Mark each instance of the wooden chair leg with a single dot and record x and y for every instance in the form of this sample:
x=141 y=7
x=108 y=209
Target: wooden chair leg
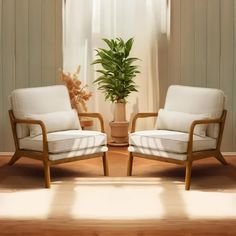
x=47 y=177
x=105 y=164
x=221 y=159
x=130 y=164
x=188 y=174
x=14 y=159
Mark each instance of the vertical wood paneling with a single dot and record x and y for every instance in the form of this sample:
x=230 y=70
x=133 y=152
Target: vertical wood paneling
x=174 y=44
x=1 y=80
x=35 y=43
x=48 y=41
x=22 y=42
x=187 y=42
x=200 y=52
x=8 y=63
x=213 y=44
x=30 y=49
x=234 y=83
x=58 y=41
x=200 y=42
x=227 y=66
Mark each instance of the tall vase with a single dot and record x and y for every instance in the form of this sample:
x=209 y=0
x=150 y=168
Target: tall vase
x=119 y=127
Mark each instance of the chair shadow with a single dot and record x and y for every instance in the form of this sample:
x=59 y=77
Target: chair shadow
x=31 y=176
x=205 y=177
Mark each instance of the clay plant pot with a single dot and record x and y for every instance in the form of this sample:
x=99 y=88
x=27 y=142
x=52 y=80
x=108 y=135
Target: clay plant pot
x=119 y=127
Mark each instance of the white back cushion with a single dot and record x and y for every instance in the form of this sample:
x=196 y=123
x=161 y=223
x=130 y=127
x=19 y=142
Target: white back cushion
x=39 y=100
x=196 y=100
x=55 y=121
x=180 y=121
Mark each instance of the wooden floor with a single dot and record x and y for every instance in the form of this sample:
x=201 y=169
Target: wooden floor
x=211 y=181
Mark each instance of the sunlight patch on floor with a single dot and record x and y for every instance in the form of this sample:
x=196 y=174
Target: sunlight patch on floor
x=27 y=204
x=117 y=199
x=209 y=204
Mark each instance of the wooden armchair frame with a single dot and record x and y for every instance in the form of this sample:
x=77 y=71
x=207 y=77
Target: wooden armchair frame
x=44 y=155
x=191 y=156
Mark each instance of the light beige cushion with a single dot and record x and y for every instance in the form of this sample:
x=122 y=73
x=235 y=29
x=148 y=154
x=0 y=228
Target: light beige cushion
x=39 y=100
x=169 y=141
x=65 y=141
x=158 y=153
x=77 y=153
x=194 y=100
x=180 y=121
x=55 y=121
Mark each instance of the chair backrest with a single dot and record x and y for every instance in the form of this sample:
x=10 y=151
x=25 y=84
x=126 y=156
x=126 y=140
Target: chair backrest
x=196 y=100
x=38 y=100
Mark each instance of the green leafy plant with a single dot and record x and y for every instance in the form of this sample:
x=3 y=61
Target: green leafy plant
x=118 y=70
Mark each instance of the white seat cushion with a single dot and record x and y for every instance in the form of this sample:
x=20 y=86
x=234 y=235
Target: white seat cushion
x=77 y=153
x=169 y=141
x=66 y=141
x=158 y=153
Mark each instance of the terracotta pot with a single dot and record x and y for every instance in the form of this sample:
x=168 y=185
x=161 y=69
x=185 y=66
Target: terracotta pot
x=120 y=114
x=119 y=127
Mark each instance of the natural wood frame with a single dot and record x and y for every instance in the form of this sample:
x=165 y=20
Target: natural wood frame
x=191 y=156
x=44 y=155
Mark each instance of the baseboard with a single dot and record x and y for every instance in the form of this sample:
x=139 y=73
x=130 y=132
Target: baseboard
x=6 y=153
x=11 y=153
x=229 y=153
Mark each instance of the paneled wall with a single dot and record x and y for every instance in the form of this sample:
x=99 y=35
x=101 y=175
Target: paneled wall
x=201 y=51
x=30 y=51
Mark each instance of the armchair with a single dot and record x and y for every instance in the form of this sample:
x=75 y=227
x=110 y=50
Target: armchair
x=189 y=128
x=46 y=128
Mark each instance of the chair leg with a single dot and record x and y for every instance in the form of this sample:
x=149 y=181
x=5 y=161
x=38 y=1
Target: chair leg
x=14 y=159
x=221 y=159
x=105 y=164
x=188 y=174
x=130 y=164
x=47 y=177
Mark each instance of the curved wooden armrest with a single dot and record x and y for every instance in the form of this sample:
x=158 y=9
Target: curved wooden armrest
x=94 y=115
x=15 y=121
x=203 y=122
x=141 y=115
x=220 y=121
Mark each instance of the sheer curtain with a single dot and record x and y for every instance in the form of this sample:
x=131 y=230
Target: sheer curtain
x=86 y=22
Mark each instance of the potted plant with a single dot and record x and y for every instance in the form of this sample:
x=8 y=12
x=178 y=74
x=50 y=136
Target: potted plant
x=116 y=81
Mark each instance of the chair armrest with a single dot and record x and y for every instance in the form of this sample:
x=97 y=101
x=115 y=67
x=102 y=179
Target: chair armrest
x=220 y=121
x=94 y=115
x=15 y=121
x=141 y=115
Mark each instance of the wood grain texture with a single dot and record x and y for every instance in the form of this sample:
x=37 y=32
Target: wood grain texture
x=1 y=79
x=213 y=43
x=234 y=83
x=187 y=42
x=22 y=44
x=8 y=64
x=30 y=51
x=174 y=75
x=200 y=35
x=48 y=42
x=200 y=51
x=25 y=178
x=35 y=43
x=58 y=41
x=227 y=66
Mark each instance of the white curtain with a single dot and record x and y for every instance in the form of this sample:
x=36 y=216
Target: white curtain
x=86 y=22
